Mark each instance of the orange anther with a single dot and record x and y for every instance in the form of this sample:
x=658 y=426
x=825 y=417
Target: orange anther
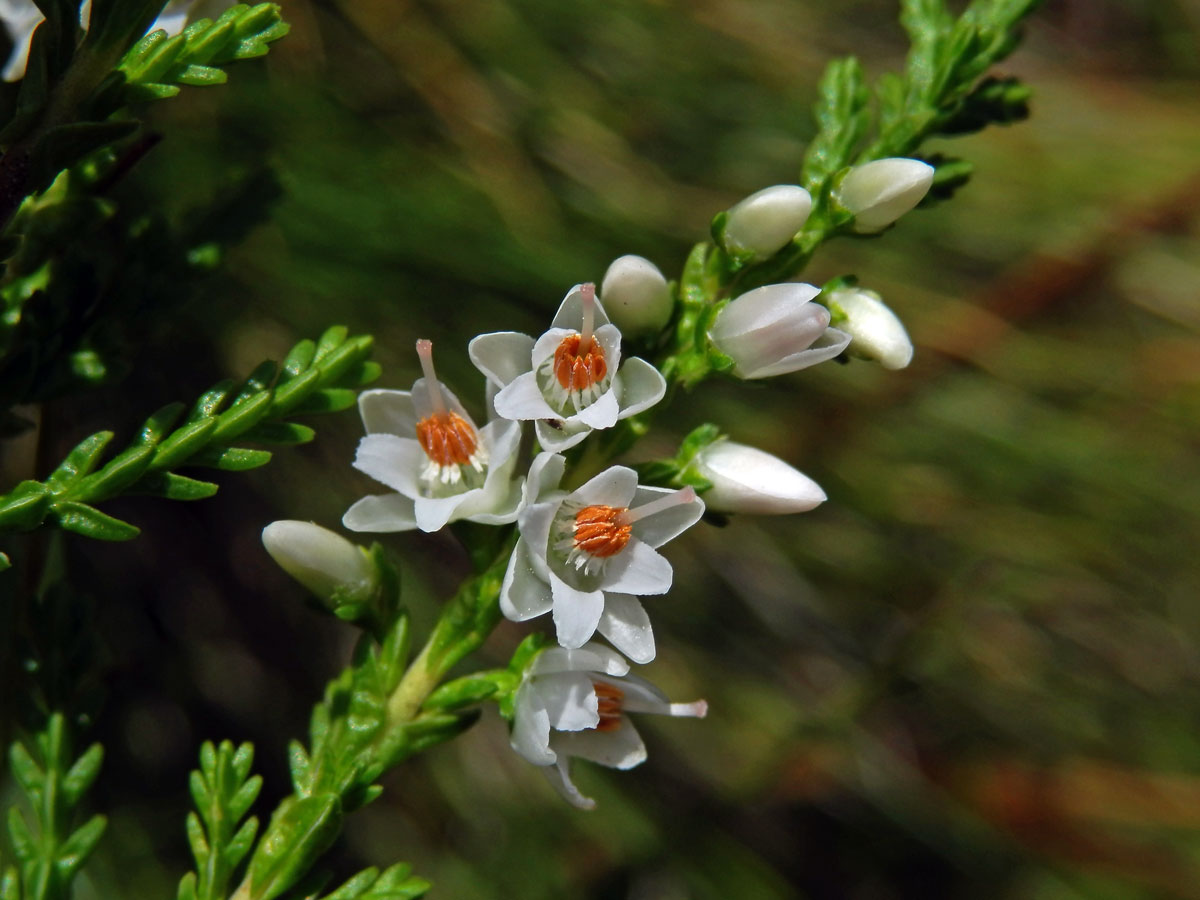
x=447 y=439
x=600 y=531
x=576 y=372
x=608 y=704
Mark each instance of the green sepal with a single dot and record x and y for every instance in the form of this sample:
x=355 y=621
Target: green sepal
x=521 y=659
x=677 y=472
x=301 y=830
x=90 y=522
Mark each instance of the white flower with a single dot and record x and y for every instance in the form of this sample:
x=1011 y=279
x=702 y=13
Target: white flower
x=21 y=17
x=766 y=221
x=748 y=480
x=321 y=560
x=589 y=554
x=424 y=445
x=567 y=380
x=880 y=192
x=774 y=329
x=574 y=703
x=875 y=331
x=636 y=295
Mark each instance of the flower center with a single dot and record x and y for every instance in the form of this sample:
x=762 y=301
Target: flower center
x=447 y=439
x=602 y=531
x=608 y=705
x=577 y=368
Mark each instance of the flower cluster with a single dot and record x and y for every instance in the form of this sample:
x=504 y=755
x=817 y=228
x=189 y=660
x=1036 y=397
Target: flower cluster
x=589 y=555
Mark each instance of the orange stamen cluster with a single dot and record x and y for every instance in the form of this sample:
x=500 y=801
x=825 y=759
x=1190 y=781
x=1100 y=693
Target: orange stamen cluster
x=447 y=439
x=601 y=530
x=577 y=370
x=608 y=704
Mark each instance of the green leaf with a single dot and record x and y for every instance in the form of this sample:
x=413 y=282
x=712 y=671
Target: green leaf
x=117 y=474
x=62 y=147
x=25 y=506
x=82 y=774
x=183 y=443
x=90 y=522
x=26 y=771
x=232 y=459
x=79 y=846
x=173 y=487
x=280 y=433
x=300 y=831
x=466 y=691
x=23 y=843
x=80 y=461
x=157 y=64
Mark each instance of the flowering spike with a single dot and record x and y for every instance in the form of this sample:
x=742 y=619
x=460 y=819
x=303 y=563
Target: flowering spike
x=680 y=497
x=436 y=401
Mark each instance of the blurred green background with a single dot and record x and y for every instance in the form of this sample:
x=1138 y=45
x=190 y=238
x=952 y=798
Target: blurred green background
x=973 y=672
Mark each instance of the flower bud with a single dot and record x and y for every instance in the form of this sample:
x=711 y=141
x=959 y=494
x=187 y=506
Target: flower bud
x=748 y=480
x=324 y=562
x=880 y=192
x=875 y=331
x=636 y=295
x=774 y=329
x=766 y=221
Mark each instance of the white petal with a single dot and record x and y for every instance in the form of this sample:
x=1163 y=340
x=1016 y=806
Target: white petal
x=423 y=403
x=627 y=627
x=576 y=613
x=388 y=412
x=545 y=472
x=569 y=698
x=609 y=339
x=546 y=345
x=591 y=657
x=638 y=569
x=563 y=437
x=570 y=311
x=661 y=527
x=762 y=306
x=621 y=748
x=559 y=777
x=523 y=595
x=501 y=356
x=499 y=500
x=434 y=512
x=602 y=413
x=521 y=399
x=638 y=387
x=531 y=728
x=392 y=460
x=615 y=486
x=827 y=346
x=378 y=513
x=534 y=523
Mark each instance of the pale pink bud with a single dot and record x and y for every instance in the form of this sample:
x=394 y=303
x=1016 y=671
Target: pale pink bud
x=880 y=192
x=748 y=480
x=775 y=329
x=767 y=220
x=636 y=296
x=321 y=560
x=875 y=331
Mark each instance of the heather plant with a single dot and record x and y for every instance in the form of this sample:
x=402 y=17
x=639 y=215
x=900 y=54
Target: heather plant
x=524 y=466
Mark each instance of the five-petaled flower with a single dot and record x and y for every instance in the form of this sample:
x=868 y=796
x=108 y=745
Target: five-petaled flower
x=425 y=447
x=587 y=555
x=568 y=380
x=574 y=703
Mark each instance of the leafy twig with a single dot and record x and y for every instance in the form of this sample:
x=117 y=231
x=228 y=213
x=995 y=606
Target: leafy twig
x=314 y=378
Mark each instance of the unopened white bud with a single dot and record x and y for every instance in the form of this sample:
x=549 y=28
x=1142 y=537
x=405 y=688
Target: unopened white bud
x=880 y=192
x=875 y=331
x=636 y=295
x=748 y=480
x=774 y=329
x=324 y=562
x=767 y=220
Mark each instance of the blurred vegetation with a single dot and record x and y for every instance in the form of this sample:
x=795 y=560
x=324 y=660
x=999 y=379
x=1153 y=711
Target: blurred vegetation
x=974 y=672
